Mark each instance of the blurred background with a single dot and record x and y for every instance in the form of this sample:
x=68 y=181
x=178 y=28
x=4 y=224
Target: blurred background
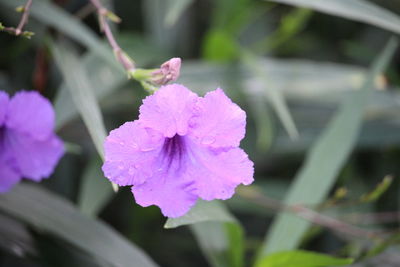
x=290 y=67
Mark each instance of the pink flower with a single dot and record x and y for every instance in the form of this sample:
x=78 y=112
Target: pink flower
x=182 y=147
x=28 y=146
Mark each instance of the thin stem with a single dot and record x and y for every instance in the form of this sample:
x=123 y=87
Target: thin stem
x=107 y=31
x=308 y=214
x=97 y=4
x=85 y=11
x=121 y=56
x=372 y=218
x=331 y=223
x=24 y=18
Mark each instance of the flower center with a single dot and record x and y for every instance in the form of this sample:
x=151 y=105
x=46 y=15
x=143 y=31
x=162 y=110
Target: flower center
x=173 y=151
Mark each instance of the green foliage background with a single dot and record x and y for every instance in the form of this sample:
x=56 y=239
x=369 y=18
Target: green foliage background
x=319 y=82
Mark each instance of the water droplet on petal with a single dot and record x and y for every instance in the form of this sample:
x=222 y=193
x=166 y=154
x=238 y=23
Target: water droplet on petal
x=146 y=149
x=121 y=167
x=192 y=123
x=196 y=109
x=208 y=140
x=121 y=143
x=136 y=166
x=131 y=171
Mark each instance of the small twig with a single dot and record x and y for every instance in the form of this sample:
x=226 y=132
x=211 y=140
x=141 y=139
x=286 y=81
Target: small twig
x=150 y=79
x=24 y=19
x=85 y=11
x=308 y=214
x=104 y=15
x=372 y=218
x=331 y=223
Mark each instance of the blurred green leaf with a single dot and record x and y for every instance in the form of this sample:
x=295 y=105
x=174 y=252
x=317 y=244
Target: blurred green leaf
x=203 y=211
x=167 y=38
x=263 y=122
x=51 y=214
x=381 y=188
x=95 y=190
x=55 y=17
x=217 y=232
x=301 y=258
x=16 y=238
x=294 y=21
x=219 y=46
x=221 y=243
x=291 y=24
x=281 y=108
x=274 y=96
x=175 y=10
x=323 y=163
x=104 y=77
x=358 y=10
x=298 y=79
x=81 y=91
x=380 y=247
x=230 y=15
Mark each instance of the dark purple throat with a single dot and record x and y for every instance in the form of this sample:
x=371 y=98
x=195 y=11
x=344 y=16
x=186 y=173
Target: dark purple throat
x=174 y=150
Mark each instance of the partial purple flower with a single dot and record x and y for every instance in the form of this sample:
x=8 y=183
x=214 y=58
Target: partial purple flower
x=28 y=146
x=182 y=147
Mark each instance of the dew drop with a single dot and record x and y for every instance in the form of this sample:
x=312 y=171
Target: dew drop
x=121 y=143
x=121 y=167
x=192 y=123
x=196 y=109
x=131 y=171
x=147 y=149
x=208 y=140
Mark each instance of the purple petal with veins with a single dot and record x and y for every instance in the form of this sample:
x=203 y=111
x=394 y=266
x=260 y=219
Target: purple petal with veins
x=192 y=150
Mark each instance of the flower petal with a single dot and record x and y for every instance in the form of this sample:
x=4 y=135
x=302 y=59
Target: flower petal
x=168 y=110
x=30 y=113
x=220 y=122
x=167 y=190
x=8 y=177
x=216 y=173
x=35 y=159
x=3 y=106
x=129 y=153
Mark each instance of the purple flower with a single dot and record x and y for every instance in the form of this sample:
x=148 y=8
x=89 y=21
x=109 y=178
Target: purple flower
x=28 y=146
x=182 y=147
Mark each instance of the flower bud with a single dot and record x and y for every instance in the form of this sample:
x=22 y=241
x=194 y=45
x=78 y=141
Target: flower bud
x=168 y=72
